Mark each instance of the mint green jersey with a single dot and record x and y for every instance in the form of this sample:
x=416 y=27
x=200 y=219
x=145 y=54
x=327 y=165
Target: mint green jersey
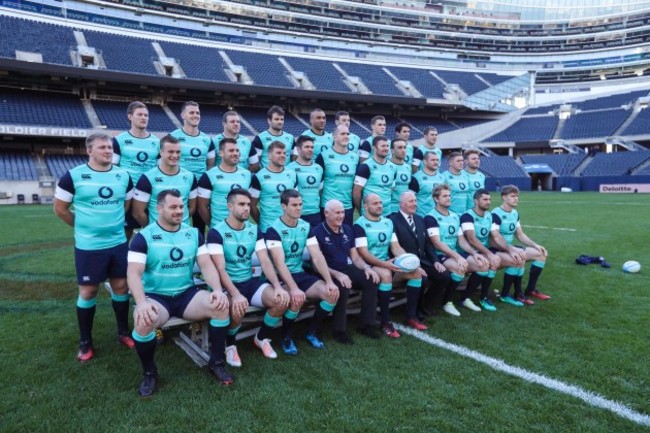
x=354 y=142
x=321 y=142
x=292 y=240
x=247 y=154
x=481 y=225
x=135 y=155
x=168 y=257
x=98 y=199
x=508 y=222
x=339 y=170
x=377 y=178
x=267 y=186
x=195 y=151
x=420 y=151
x=374 y=235
x=310 y=179
x=423 y=184
x=459 y=186
x=264 y=139
x=408 y=157
x=475 y=181
x=237 y=247
x=402 y=182
x=155 y=181
x=215 y=184
x=445 y=226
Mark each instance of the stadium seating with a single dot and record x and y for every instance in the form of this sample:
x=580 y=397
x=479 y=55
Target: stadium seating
x=424 y=82
x=59 y=164
x=593 y=124
x=200 y=63
x=466 y=80
x=613 y=101
x=375 y=79
x=501 y=166
x=124 y=53
x=257 y=118
x=28 y=107
x=527 y=129
x=421 y=124
x=271 y=74
x=17 y=166
x=562 y=165
x=211 y=118
x=52 y=41
x=113 y=115
x=612 y=164
x=320 y=73
x=640 y=125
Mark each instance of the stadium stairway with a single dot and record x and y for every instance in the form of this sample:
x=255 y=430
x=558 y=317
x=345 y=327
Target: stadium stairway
x=91 y=113
x=582 y=166
x=641 y=167
x=475 y=134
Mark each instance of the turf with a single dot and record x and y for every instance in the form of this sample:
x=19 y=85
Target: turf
x=592 y=334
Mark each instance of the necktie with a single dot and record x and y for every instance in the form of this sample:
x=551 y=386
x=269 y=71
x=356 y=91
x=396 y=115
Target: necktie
x=412 y=224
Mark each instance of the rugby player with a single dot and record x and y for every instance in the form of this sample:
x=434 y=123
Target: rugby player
x=424 y=181
x=402 y=172
x=378 y=128
x=458 y=183
x=310 y=180
x=403 y=132
x=343 y=118
x=262 y=141
x=476 y=179
x=430 y=139
x=321 y=139
x=248 y=158
x=375 y=176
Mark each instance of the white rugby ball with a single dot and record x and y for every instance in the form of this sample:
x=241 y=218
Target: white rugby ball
x=631 y=267
x=407 y=262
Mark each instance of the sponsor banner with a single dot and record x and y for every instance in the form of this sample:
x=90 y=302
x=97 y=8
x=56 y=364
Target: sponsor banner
x=43 y=131
x=622 y=188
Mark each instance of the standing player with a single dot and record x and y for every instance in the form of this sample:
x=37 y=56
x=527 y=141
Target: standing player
x=135 y=151
x=375 y=176
x=378 y=128
x=101 y=194
x=286 y=240
x=444 y=230
x=424 y=181
x=374 y=238
x=458 y=183
x=321 y=138
x=267 y=185
x=216 y=183
x=402 y=172
x=161 y=259
x=348 y=270
x=430 y=139
x=197 y=149
x=339 y=167
x=475 y=179
x=168 y=175
x=310 y=180
x=403 y=132
x=507 y=218
x=262 y=141
x=248 y=158
x=343 y=118
x=231 y=245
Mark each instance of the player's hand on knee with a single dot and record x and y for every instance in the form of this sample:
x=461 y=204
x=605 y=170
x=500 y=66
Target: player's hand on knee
x=297 y=298
x=462 y=265
x=344 y=280
x=239 y=305
x=219 y=300
x=145 y=314
x=281 y=297
x=332 y=292
x=372 y=275
x=388 y=264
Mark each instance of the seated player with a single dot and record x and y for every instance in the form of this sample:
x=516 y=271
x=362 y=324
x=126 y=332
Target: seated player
x=231 y=244
x=161 y=259
x=286 y=239
x=444 y=230
x=507 y=218
x=374 y=238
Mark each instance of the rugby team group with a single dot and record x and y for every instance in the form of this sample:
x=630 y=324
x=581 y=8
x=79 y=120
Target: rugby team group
x=141 y=205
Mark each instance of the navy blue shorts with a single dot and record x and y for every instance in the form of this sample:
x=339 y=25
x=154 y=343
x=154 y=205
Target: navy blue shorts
x=304 y=280
x=130 y=222
x=175 y=305
x=96 y=266
x=252 y=290
x=313 y=219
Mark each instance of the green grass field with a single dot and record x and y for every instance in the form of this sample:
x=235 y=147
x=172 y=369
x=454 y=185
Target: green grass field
x=593 y=334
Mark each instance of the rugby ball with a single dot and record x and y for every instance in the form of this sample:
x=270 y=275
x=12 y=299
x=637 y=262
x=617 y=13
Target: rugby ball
x=407 y=262
x=631 y=267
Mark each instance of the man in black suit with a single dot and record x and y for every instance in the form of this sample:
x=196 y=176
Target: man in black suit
x=411 y=233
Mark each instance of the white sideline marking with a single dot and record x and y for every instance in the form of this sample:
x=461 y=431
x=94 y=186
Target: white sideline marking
x=551 y=228
x=588 y=397
x=581 y=203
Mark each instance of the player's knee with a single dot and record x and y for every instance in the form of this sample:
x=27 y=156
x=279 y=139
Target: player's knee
x=385 y=275
x=88 y=292
x=219 y=314
x=119 y=287
x=277 y=310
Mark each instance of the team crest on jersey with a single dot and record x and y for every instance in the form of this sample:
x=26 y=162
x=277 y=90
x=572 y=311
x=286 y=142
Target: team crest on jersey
x=128 y=141
x=157 y=237
x=188 y=235
x=85 y=176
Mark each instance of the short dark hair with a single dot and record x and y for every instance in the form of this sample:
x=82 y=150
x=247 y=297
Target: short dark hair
x=376 y=118
x=226 y=140
x=235 y=192
x=509 y=189
x=469 y=152
x=97 y=136
x=287 y=195
x=377 y=139
x=429 y=155
x=275 y=109
x=429 y=129
x=168 y=139
x=453 y=155
x=134 y=106
x=480 y=192
x=278 y=144
x=227 y=114
x=440 y=188
x=392 y=143
x=188 y=104
x=401 y=125
x=302 y=139
x=339 y=114
x=162 y=195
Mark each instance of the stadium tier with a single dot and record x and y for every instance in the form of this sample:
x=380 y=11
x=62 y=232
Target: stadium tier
x=59 y=164
x=123 y=53
x=466 y=80
x=606 y=102
x=272 y=74
x=640 y=125
x=53 y=42
x=199 y=63
x=113 y=115
x=527 y=129
x=501 y=166
x=619 y=163
x=29 y=107
x=322 y=74
x=17 y=166
x=562 y=165
x=593 y=124
x=423 y=81
x=373 y=77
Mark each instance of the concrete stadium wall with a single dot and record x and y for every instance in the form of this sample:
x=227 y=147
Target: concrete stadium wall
x=13 y=188
x=523 y=183
x=593 y=183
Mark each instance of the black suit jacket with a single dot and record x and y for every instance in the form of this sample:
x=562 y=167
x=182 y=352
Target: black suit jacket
x=414 y=243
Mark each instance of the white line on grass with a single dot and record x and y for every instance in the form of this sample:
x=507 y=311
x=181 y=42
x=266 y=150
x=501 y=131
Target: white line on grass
x=551 y=228
x=588 y=397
